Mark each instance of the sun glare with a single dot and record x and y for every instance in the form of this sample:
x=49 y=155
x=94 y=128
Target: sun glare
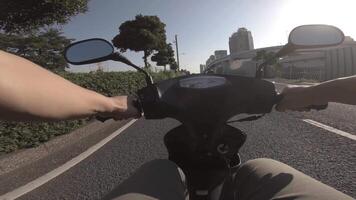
x=340 y=13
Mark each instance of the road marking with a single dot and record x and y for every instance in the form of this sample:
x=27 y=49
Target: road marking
x=331 y=129
x=291 y=85
x=63 y=168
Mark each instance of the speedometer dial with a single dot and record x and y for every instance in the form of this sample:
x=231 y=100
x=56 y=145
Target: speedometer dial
x=201 y=82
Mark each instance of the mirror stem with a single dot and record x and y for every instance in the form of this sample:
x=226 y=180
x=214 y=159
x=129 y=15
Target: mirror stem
x=259 y=70
x=262 y=67
x=286 y=49
x=118 y=57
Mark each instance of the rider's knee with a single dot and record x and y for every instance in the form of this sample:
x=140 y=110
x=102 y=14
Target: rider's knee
x=160 y=164
x=256 y=170
x=261 y=162
x=164 y=166
x=261 y=165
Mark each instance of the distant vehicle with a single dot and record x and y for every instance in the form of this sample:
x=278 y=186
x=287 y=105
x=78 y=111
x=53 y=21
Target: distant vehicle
x=204 y=145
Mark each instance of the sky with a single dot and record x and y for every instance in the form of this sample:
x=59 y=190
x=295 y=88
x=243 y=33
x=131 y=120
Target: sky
x=204 y=26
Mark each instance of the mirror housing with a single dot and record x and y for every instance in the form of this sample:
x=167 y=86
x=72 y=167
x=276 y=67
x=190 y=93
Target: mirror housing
x=307 y=37
x=88 y=51
x=97 y=50
x=312 y=36
x=315 y=36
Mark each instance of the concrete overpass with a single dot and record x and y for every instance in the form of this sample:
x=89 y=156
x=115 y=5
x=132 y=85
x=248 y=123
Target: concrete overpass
x=319 y=64
x=238 y=63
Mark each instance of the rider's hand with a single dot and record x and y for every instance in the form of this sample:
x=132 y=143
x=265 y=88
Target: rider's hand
x=299 y=99
x=123 y=108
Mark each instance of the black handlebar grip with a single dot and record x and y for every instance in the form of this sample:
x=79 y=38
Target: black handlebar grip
x=135 y=103
x=317 y=107
x=278 y=98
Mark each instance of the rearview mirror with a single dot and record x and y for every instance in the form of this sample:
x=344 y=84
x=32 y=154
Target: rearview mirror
x=88 y=51
x=97 y=50
x=315 y=36
x=307 y=37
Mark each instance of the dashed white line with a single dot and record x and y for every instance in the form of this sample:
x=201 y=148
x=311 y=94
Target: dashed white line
x=331 y=129
x=61 y=169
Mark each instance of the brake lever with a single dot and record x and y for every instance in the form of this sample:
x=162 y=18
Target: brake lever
x=250 y=118
x=317 y=107
x=148 y=99
x=279 y=98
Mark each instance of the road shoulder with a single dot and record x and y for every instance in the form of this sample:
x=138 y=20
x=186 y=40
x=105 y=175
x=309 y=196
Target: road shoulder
x=23 y=166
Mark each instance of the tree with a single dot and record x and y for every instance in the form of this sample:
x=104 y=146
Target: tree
x=265 y=56
x=144 y=33
x=174 y=66
x=164 y=56
x=44 y=48
x=26 y=15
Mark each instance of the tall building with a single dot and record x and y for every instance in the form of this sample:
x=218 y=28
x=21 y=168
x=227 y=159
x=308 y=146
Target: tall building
x=241 y=41
x=220 y=54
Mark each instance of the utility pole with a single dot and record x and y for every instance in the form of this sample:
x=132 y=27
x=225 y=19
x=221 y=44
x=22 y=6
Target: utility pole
x=176 y=42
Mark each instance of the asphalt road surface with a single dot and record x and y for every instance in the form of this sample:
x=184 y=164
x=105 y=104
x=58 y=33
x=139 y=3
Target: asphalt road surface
x=318 y=152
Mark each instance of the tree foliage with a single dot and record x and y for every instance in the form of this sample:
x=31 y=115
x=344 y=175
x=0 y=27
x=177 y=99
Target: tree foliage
x=144 y=33
x=25 y=15
x=164 y=56
x=174 y=66
x=264 y=56
x=45 y=48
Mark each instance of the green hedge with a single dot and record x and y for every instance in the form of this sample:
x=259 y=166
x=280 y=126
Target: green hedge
x=110 y=84
x=24 y=135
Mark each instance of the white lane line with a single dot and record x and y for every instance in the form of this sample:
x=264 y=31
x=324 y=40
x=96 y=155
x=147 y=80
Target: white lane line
x=291 y=85
x=331 y=129
x=61 y=169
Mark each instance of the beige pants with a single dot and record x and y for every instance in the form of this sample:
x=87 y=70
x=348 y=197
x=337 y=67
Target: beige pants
x=256 y=180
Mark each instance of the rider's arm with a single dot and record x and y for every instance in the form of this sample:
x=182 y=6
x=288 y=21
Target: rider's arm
x=342 y=90
x=29 y=92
